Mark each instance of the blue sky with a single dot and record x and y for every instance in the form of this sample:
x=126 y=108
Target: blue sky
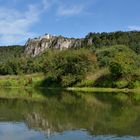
x=23 y=19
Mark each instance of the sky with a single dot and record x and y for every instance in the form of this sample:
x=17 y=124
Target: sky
x=23 y=19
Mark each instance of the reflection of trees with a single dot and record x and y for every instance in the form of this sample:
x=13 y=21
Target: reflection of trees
x=97 y=113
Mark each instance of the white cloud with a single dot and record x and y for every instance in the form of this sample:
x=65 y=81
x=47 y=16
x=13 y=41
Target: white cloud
x=15 y=25
x=136 y=28
x=70 y=11
x=48 y=3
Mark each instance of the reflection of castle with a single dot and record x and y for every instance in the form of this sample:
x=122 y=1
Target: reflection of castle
x=34 y=120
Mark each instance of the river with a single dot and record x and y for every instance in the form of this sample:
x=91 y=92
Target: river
x=61 y=115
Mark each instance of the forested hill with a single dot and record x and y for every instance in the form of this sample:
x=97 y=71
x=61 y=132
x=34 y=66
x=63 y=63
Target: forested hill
x=99 y=59
x=38 y=45
x=130 y=39
x=95 y=40
x=10 y=52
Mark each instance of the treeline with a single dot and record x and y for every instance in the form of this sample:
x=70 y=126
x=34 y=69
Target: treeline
x=10 y=52
x=63 y=68
x=130 y=39
x=81 y=67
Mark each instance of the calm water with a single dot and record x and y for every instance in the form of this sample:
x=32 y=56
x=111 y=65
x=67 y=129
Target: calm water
x=61 y=115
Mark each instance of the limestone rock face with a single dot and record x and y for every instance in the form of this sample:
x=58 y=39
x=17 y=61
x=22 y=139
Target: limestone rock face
x=36 y=46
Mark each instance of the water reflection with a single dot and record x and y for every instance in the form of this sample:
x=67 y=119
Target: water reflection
x=19 y=131
x=100 y=115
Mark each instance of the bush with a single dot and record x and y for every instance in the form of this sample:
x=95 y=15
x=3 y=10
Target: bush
x=7 y=84
x=70 y=66
x=124 y=63
x=121 y=84
x=134 y=84
x=116 y=70
x=85 y=83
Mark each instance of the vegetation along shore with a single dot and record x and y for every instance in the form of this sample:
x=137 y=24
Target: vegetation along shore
x=101 y=60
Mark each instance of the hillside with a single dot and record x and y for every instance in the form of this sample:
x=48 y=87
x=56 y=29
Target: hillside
x=10 y=52
x=99 y=60
x=34 y=47
x=38 y=45
x=130 y=39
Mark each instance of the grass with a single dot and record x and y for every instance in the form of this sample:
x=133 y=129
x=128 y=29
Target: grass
x=91 y=78
x=94 y=89
x=32 y=80
x=28 y=94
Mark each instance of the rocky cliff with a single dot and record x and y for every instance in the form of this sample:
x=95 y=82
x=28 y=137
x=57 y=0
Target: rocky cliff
x=35 y=46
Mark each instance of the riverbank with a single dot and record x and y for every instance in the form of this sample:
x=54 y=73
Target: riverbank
x=107 y=90
x=27 y=94
x=34 y=81
x=41 y=94
x=21 y=81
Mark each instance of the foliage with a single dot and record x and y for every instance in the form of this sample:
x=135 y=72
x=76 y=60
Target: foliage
x=69 y=66
x=130 y=39
x=118 y=52
x=10 y=52
x=33 y=80
x=124 y=63
x=121 y=84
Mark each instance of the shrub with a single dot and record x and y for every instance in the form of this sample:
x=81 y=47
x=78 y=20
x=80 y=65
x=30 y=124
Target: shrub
x=121 y=84
x=70 y=66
